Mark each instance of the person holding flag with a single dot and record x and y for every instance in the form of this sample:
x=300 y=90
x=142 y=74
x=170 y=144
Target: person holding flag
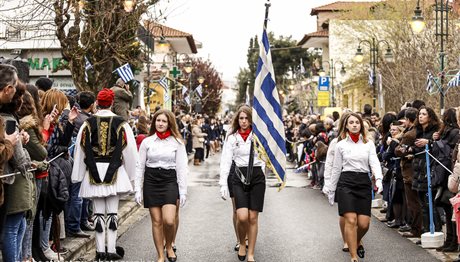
x=248 y=182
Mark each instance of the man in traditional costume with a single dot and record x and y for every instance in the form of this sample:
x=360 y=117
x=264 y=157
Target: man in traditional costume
x=105 y=164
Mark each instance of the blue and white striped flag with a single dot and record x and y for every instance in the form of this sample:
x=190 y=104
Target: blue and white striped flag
x=187 y=100
x=88 y=67
x=199 y=90
x=267 y=115
x=164 y=83
x=429 y=82
x=371 y=77
x=125 y=73
x=184 y=90
x=455 y=81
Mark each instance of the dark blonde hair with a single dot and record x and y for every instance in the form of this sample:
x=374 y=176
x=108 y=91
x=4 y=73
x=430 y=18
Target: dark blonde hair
x=172 y=125
x=235 y=124
x=344 y=131
x=53 y=97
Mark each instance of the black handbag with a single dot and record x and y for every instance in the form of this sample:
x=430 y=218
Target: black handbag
x=246 y=180
x=443 y=196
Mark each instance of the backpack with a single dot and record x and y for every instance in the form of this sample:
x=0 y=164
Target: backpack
x=443 y=153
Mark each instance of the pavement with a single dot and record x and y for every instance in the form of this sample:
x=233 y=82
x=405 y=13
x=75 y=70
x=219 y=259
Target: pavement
x=302 y=234
x=80 y=249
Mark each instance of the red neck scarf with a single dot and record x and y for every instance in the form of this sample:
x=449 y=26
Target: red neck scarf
x=163 y=135
x=244 y=134
x=354 y=137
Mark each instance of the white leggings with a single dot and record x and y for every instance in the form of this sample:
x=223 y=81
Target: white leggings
x=105 y=210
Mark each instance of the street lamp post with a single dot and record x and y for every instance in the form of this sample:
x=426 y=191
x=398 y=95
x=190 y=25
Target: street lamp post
x=442 y=9
x=374 y=60
x=332 y=65
x=149 y=50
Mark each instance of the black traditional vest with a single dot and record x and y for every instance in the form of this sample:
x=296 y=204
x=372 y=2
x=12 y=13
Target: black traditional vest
x=103 y=140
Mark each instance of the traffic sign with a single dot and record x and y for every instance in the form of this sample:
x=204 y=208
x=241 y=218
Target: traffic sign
x=323 y=98
x=323 y=83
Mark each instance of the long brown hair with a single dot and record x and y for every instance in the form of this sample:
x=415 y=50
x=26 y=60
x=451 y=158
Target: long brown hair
x=172 y=125
x=53 y=97
x=343 y=133
x=235 y=124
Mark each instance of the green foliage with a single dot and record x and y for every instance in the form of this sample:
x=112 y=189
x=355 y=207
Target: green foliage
x=286 y=57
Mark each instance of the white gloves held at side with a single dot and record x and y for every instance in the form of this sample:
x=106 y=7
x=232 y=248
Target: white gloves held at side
x=379 y=185
x=182 y=200
x=330 y=195
x=138 y=197
x=224 y=192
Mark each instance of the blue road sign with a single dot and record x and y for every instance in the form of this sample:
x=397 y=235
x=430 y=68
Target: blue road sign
x=323 y=83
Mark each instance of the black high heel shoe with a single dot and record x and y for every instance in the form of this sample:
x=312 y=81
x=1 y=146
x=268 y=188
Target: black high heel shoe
x=171 y=259
x=241 y=258
x=361 y=251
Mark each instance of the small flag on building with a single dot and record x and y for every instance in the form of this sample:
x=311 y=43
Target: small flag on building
x=125 y=73
x=187 y=100
x=199 y=90
x=455 y=81
x=164 y=83
x=302 y=68
x=267 y=118
x=88 y=67
x=371 y=77
x=429 y=82
x=184 y=90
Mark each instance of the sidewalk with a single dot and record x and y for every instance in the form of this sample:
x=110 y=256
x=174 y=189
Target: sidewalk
x=443 y=256
x=78 y=247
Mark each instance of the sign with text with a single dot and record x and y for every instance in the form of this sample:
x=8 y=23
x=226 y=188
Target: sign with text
x=323 y=83
x=323 y=98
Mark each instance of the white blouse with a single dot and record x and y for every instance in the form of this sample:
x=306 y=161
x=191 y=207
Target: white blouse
x=166 y=153
x=329 y=163
x=354 y=157
x=236 y=149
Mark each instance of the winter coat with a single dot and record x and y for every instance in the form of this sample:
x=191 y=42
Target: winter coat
x=21 y=191
x=420 y=181
x=6 y=152
x=407 y=140
x=35 y=147
x=196 y=135
x=121 y=102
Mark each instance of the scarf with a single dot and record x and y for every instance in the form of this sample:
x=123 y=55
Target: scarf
x=163 y=135
x=244 y=134
x=354 y=137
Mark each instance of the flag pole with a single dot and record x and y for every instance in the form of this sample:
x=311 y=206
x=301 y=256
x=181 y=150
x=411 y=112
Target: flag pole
x=267 y=6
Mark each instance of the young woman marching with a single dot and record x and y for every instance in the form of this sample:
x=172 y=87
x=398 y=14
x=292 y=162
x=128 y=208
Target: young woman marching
x=163 y=167
x=249 y=197
x=350 y=181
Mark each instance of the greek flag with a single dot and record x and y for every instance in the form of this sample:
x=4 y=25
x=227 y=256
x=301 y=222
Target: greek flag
x=199 y=90
x=371 y=77
x=164 y=83
x=187 y=100
x=184 y=90
x=266 y=115
x=455 y=81
x=125 y=73
x=429 y=82
x=88 y=67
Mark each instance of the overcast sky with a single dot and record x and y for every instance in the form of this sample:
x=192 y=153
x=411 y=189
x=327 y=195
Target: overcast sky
x=225 y=27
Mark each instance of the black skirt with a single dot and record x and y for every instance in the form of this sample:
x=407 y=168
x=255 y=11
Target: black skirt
x=230 y=179
x=354 y=193
x=250 y=196
x=160 y=187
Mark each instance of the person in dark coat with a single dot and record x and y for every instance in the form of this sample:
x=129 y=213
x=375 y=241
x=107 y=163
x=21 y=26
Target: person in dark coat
x=428 y=123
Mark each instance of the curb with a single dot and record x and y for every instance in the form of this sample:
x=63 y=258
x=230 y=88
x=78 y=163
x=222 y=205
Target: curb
x=432 y=251
x=77 y=247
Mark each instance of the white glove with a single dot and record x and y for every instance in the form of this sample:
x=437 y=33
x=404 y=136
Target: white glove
x=330 y=197
x=378 y=184
x=138 y=197
x=182 y=200
x=224 y=192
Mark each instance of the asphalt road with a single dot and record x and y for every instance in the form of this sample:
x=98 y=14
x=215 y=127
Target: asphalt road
x=297 y=225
